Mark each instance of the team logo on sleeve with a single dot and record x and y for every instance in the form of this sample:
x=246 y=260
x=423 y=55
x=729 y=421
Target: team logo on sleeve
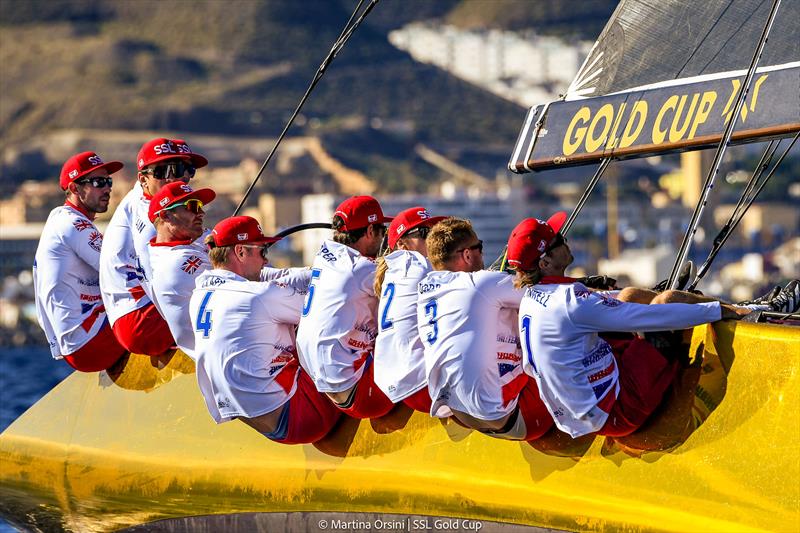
x=191 y=265
x=96 y=240
x=81 y=224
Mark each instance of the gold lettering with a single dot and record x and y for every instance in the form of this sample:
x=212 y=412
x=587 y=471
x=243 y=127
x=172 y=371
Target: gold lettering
x=613 y=140
x=593 y=141
x=639 y=112
x=676 y=133
x=658 y=134
x=704 y=109
x=572 y=143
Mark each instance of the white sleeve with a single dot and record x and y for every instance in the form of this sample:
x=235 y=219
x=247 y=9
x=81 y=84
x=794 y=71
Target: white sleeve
x=500 y=288
x=296 y=278
x=86 y=243
x=366 y=273
x=283 y=303
x=597 y=312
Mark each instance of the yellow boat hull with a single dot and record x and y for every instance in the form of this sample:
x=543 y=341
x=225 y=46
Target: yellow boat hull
x=103 y=452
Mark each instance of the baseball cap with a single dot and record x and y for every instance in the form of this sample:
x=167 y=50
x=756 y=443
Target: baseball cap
x=176 y=192
x=359 y=212
x=530 y=238
x=240 y=230
x=83 y=163
x=161 y=149
x=408 y=220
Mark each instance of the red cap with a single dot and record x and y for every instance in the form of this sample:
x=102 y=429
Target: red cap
x=162 y=149
x=83 y=163
x=176 y=192
x=530 y=238
x=408 y=220
x=240 y=230
x=359 y=212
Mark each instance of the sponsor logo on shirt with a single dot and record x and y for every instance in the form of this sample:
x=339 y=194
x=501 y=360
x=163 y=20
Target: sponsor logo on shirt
x=607 y=371
x=582 y=294
x=602 y=350
x=213 y=281
x=139 y=225
x=427 y=287
x=508 y=339
x=607 y=300
x=191 y=265
x=81 y=224
x=361 y=345
x=95 y=240
x=90 y=297
x=508 y=356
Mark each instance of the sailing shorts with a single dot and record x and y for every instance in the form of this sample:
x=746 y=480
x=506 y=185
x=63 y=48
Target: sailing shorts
x=99 y=353
x=419 y=401
x=307 y=417
x=533 y=410
x=144 y=331
x=644 y=377
x=367 y=400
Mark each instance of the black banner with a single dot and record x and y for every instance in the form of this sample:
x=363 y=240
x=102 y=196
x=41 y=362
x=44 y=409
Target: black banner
x=655 y=121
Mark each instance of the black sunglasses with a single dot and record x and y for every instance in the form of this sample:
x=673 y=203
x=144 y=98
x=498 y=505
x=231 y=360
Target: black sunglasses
x=420 y=231
x=264 y=249
x=177 y=168
x=557 y=241
x=477 y=246
x=97 y=183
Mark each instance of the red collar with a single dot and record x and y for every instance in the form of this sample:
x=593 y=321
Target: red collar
x=169 y=243
x=82 y=211
x=551 y=280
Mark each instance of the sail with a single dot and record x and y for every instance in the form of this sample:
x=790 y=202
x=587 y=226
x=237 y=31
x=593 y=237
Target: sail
x=667 y=73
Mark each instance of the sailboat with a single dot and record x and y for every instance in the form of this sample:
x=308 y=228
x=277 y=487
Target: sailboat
x=134 y=447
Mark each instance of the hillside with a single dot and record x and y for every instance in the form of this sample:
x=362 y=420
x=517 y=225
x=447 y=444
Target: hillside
x=239 y=69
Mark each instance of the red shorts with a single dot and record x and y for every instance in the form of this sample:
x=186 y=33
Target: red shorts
x=538 y=420
x=144 y=331
x=420 y=401
x=311 y=414
x=369 y=401
x=98 y=354
x=644 y=377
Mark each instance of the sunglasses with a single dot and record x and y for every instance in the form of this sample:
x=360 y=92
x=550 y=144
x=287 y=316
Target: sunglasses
x=557 y=241
x=477 y=246
x=193 y=205
x=421 y=232
x=177 y=168
x=264 y=249
x=97 y=183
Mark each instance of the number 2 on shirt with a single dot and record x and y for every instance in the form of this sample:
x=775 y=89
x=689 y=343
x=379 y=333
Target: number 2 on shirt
x=430 y=312
x=525 y=326
x=315 y=272
x=204 y=317
x=388 y=293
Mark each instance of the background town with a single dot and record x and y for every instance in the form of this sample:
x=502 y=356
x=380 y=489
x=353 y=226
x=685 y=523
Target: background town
x=421 y=108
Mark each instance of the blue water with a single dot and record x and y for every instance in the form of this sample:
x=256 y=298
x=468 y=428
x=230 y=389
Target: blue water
x=26 y=374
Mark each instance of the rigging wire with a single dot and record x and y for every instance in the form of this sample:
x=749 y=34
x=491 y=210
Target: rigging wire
x=353 y=23
x=708 y=185
x=749 y=195
x=585 y=196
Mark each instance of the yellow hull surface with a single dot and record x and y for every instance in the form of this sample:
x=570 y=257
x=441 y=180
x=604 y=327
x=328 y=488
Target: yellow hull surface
x=109 y=450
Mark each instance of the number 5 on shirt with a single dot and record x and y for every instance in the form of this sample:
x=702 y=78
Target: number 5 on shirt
x=315 y=272
x=204 y=316
x=430 y=312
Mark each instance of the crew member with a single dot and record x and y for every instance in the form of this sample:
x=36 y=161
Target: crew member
x=177 y=254
x=123 y=281
x=586 y=386
x=247 y=364
x=468 y=323
x=337 y=331
x=65 y=272
x=399 y=353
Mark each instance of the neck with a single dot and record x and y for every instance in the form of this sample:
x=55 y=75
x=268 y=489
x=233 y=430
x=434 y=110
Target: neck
x=75 y=203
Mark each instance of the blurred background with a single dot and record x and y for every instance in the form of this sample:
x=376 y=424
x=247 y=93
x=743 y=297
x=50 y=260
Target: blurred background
x=422 y=106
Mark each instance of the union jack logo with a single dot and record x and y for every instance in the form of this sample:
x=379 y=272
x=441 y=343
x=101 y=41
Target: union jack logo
x=191 y=265
x=81 y=224
x=96 y=240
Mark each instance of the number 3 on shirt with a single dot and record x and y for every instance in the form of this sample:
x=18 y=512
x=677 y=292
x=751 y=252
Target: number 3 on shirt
x=315 y=272
x=204 y=317
x=430 y=312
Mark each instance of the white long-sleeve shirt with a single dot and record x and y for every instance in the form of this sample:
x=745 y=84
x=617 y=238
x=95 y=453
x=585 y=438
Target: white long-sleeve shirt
x=575 y=368
x=399 y=352
x=467 y=322
x=67 y=289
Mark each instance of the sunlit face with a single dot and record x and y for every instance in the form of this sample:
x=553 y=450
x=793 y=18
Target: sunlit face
x=556 y=259
x=414 y=240
x=253 y=260
x=185 y=222
x=93 y=199
x=154 y=177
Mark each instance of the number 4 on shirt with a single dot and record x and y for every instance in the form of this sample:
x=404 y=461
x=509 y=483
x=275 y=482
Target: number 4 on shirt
x=204 y=316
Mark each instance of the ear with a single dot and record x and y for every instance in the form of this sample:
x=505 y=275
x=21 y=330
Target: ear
x=544 y=262
x=141 y=177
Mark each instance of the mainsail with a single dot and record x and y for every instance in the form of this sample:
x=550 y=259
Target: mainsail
x=663 y=76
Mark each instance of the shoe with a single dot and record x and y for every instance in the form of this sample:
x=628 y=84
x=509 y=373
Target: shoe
x=788 y=300
x=686 y=275
x=763 y=299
